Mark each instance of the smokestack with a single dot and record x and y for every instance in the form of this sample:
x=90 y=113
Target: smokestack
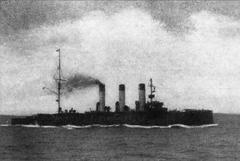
x=101 y=97
x=121 y=97
x=142 y=96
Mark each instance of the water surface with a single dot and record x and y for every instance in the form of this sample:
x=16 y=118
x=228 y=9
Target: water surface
x=122 y=143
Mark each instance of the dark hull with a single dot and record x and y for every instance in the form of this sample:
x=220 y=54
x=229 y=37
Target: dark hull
x=194 y=117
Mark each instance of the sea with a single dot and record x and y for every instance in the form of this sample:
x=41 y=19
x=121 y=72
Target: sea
x=216 y=142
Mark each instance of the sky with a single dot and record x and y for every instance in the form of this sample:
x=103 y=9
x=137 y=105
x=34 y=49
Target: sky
x=189 y=48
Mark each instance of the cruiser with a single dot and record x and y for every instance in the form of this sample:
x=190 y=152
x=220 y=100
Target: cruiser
x=147 y=113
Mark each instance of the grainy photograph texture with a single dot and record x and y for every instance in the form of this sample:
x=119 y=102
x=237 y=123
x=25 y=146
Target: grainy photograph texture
x=119 y=80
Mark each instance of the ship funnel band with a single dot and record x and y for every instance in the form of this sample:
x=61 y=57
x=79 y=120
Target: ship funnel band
x=121 y=87
x=141 y=86
x=101 y=87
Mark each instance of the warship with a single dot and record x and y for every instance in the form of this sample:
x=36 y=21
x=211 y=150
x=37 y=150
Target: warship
x=146 y=112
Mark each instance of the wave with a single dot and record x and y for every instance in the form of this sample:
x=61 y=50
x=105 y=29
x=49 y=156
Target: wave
x=140 y=126
x=145 y=127
x=32 y=126
x=76 y=127
x=190 y=127
x=88 y=126
x=5 y=125
x=116 y=125
x=48 y=126
x=99 y=125
x=169 y=126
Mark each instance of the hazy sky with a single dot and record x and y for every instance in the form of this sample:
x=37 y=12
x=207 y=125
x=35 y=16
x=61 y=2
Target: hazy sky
x=190 y=49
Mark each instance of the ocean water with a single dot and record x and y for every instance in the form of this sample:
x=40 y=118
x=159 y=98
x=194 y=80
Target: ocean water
x=122 y=143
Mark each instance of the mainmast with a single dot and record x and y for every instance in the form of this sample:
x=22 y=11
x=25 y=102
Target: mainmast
x=152 y=91
x=59 y=81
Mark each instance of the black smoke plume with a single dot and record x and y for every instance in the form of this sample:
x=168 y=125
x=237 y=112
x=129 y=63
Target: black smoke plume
x=79 y=81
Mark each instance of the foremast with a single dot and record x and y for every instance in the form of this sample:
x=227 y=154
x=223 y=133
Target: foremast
x=59 y=81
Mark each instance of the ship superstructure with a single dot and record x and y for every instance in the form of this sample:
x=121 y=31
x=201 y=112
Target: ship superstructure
x=150 y=112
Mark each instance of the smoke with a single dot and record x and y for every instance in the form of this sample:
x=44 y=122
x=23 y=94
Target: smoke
x=198 y=68
x=79 y=81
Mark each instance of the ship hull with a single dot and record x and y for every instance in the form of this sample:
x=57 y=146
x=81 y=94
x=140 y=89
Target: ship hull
x=195 y=117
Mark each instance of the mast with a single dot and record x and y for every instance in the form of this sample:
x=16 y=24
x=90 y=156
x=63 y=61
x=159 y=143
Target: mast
x=59 y=81
x=152 y=90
